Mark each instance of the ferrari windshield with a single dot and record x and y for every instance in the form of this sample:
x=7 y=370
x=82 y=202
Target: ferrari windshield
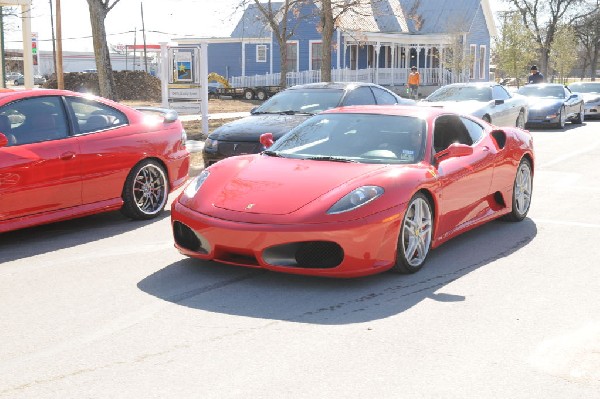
x=353 y=137
x=537 y=90
x=309 y=101
x=461 y=93
x=585 y=87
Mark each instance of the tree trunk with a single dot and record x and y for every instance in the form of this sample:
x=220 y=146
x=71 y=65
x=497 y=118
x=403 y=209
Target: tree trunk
x=283 y=65
x=98 y=11
x=327 y=34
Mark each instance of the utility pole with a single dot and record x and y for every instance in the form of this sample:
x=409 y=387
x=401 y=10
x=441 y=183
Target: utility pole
x=144 y=38
x=60 y=82
x=53 y=38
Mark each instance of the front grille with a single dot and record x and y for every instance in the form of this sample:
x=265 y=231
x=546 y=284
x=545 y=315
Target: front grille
x=307 y=254
x=229 y=149
x=186 y=238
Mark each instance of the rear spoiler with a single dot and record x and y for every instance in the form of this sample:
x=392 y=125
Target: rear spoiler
x=170 y=115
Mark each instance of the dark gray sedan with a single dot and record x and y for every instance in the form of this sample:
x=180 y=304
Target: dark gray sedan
x=287 y=109
x=552 y=104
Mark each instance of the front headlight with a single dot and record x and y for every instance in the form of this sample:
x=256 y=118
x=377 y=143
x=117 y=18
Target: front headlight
x=195 y=184
x=211 y=144
x=355 y=199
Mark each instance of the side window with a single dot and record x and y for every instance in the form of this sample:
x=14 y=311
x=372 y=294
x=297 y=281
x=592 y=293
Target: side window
x=93 y=116
x=383 y=97
x=450 y=129
x=500 y=93
x=33 y=120
x=475 y=129
x=359 y=96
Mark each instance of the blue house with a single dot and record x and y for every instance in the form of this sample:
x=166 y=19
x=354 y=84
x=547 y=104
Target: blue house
x=447 y=40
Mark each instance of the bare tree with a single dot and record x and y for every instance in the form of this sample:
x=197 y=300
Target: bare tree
x=98 y=11
x=565 y=44
x=542 y=18
x=587 y=30
x=330 y=13
x=282 y=18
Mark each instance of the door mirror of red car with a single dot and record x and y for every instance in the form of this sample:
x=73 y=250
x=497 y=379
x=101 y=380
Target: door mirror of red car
x=3 y=140
x=454 y=150
x=266 y=139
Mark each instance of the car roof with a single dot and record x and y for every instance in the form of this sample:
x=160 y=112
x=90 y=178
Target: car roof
x=330 y=85
x=396 y=110
x=473 y=84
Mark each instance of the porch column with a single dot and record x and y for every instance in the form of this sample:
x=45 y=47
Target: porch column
x=440 y=62
x=393 y=50
x=377 y=47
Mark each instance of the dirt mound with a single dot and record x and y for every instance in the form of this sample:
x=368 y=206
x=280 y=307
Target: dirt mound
x=130 y=85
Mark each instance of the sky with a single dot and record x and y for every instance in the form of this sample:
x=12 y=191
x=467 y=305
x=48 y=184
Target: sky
x=163 y=20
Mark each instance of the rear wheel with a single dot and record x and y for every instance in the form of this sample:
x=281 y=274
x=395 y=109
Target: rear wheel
x=145 y=191
x=261 y=94
x=248 y=94
x=580 y=117
x=416 y=231
x=521 y=199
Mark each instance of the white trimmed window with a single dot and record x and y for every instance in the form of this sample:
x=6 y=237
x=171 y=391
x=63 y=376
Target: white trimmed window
x=292 y=56
x=261 y=53
x=316 y=55
x=473 y=59
x=482 y=55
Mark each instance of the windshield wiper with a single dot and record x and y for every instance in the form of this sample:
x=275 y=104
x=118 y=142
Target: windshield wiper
x=272 y=153
x=292 y=112
x=329 y=158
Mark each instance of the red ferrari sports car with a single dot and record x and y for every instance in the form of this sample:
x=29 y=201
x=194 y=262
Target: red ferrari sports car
x=355 y=191
x=65 y=155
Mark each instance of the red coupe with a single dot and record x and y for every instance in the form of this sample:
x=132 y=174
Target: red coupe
x=65 y=155
x=355 y=191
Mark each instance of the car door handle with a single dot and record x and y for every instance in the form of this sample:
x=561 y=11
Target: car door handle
x=65 y=156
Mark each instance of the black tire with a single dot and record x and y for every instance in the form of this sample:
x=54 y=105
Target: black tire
x=416 y=232
x=520 y=122
x=562 y=119
x=16 y=82
x=261 y=95
x=145 y=191
x=248 y=94
x=580 y=117
x=522 y=189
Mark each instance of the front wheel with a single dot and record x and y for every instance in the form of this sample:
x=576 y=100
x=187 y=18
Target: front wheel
x=416 y=231
x=520 y=123
x=145 y=192
x=521 y=198
x=562 y=118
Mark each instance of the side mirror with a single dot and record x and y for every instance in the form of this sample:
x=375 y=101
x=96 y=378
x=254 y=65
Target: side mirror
x=454 y=150
x=253 y=110
x=498 y=102
x=266 y=139
x=3 y=140
x=573 y=96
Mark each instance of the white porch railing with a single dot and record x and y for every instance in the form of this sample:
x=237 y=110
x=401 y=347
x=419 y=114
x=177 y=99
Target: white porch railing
x=382 y=76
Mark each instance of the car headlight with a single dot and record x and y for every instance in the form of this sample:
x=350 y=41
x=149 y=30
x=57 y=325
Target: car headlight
x=211 y=144
x=195 y=184
x=355 y=199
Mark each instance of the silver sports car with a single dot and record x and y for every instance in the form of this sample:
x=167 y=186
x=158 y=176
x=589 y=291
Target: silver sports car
x=591 y=96
x=487 y=100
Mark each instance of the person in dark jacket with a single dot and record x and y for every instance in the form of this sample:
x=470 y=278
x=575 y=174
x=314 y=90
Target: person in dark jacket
x=536 y=76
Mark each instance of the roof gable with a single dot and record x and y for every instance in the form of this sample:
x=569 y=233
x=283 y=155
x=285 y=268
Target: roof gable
x=252 y=24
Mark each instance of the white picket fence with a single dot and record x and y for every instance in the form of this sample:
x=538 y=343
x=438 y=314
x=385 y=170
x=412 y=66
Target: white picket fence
x=382 y=76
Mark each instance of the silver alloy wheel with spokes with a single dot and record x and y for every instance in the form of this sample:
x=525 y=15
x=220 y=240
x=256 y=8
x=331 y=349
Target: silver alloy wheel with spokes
x=415 y=235
x=146 y=191
x=523 y=184
x=522 y=190
x=562 y=117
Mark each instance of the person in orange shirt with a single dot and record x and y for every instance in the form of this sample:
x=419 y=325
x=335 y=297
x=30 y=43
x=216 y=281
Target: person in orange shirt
x=414 y=80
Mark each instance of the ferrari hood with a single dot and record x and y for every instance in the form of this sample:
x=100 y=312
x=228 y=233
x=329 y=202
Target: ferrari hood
x=277 y=186
x=251 y=127
x=463 y=107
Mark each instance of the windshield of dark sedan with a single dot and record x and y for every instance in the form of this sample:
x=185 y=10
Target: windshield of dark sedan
x=536 y=90
x=310 y=101
x=585 y=87
x=350 y=137
x=461 y=93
